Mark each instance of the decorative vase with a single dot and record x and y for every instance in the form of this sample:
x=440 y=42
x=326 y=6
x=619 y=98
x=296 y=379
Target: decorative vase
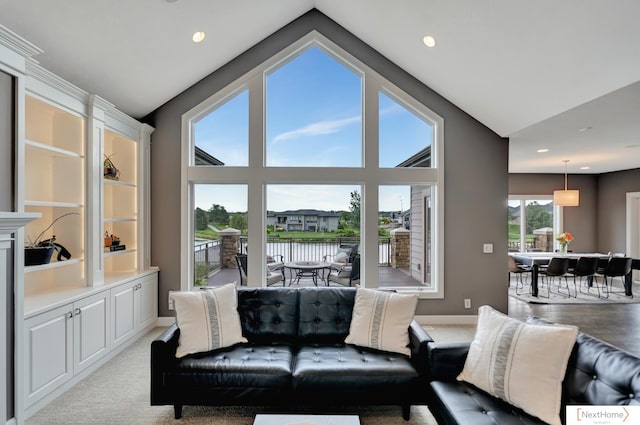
x=563 y=249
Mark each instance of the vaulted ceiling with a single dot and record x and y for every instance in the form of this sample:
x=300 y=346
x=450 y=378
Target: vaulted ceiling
x=564 y=76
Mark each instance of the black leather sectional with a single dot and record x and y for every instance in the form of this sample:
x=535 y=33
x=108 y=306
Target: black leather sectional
x=296 y=355
x=597 y=374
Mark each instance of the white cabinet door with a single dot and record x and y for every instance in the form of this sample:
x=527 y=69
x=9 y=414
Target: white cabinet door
x=91 y=329
x=48 y=351
x=124 y=312
x=134 y=306
x=147 y=301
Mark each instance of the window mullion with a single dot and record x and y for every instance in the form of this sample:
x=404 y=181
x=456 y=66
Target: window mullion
x=256 y=194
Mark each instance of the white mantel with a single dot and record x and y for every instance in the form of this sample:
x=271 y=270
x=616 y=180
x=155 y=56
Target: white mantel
x=10 y=223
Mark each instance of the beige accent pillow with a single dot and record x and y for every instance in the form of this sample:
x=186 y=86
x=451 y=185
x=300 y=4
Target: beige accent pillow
x=521 y=363
x=381 y=320
x=208 y=319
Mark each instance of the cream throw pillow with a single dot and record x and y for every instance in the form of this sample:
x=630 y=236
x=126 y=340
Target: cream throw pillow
x=208 y=319
x=381 y=320
x=521 y=363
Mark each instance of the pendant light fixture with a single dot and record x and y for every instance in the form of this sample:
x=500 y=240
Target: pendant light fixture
x=566 y=198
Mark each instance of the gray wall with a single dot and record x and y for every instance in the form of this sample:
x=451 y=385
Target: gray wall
x=581 y=221
x=475 y=174
x=612 y=193
x=7 y=143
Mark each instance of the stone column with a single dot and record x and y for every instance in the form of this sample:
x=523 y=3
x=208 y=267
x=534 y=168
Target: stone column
x=400 y=248
x=544 y=239
x=229 y=247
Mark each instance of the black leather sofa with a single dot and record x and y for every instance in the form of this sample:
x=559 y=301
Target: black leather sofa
x=295 y=356
x=597 y=374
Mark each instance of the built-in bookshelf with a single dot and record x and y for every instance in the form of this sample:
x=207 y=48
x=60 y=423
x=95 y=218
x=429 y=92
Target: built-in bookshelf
x=54 y=183
x=120 y=205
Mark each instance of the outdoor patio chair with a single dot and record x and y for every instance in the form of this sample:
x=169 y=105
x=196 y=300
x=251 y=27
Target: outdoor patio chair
x=343 y=256
x=273 y=276
x=348 y=274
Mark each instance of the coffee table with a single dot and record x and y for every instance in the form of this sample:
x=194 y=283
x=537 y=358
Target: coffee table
x=306 y=269
x=306 y=420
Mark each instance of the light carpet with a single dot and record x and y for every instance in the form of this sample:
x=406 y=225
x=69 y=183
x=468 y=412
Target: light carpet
x=118 y=394
x=585 y=295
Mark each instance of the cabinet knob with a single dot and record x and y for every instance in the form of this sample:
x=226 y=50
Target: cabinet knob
x=78 y=311
x=70 y=315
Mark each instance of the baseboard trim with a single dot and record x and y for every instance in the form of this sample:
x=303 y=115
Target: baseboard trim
x=165 y=321
x=423 y=320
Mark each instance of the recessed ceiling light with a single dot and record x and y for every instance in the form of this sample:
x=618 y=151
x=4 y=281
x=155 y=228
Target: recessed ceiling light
x=583 y=129
x=585 y=167
x=543 y=150
x=198 y=36
x=429 y=41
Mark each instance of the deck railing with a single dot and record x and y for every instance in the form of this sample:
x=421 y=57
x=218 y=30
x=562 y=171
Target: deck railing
x=207 y=254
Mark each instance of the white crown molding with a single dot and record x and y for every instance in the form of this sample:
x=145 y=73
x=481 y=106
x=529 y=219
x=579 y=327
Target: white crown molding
x=34 y=70
x=12 y=221
x=18 y=44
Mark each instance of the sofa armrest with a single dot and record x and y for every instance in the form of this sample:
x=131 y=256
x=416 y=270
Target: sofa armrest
x=163 y=359
x=446 y=359
x=419 y=339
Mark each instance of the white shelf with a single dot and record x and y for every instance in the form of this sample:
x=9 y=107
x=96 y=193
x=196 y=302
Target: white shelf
x=53 y=149
x=118 y=183
x=52 y=204
x=119 y=220
x=53 y=264
x=121 y=252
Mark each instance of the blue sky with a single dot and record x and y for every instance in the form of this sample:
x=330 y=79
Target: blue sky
x=313 y=118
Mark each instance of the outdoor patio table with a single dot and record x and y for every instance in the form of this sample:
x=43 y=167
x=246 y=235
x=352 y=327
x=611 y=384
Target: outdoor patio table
x=306 y=269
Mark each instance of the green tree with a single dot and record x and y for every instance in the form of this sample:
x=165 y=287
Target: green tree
x=238 y=221
x=200 y=219
x=354 y=206
x=538 y=217
x=218 y=215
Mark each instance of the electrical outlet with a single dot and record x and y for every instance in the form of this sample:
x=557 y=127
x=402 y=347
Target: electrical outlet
x=171 y=306
x=467 y=303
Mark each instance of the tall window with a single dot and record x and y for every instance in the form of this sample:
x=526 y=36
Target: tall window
x=321 y=144
x=531 y=224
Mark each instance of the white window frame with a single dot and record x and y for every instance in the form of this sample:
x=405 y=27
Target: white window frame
x=256 y=176
x=557 y=216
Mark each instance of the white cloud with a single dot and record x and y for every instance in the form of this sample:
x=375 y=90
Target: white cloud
x=316 y=129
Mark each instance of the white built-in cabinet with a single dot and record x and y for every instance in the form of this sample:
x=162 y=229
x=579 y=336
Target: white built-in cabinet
x=134 y=306
x=72 y=315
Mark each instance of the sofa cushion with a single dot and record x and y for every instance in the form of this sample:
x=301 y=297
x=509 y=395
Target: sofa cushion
x=521 y=363
x=325 y=314
x=207 y=319
x=268 y=315
x=381 y=320
x=348 y=368
x=245 y=366
x=463 y=404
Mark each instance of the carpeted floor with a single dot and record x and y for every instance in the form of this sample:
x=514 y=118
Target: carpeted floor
x=118 y=394
x=584 y=295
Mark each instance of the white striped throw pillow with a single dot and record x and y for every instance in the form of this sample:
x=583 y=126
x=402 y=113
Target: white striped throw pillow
x=208 y=319
x=521 y=363
x=381 y=320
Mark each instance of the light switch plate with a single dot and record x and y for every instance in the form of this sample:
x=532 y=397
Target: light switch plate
x=487 y=248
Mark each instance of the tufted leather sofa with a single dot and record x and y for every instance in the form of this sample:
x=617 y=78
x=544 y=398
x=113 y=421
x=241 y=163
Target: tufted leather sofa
x=296 y=355
x=597 y=374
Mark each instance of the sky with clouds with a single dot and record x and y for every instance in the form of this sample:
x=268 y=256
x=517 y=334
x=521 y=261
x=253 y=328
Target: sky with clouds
x=313 y=118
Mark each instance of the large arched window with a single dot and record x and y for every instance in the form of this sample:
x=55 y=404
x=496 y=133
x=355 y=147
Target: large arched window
x=314 y=141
